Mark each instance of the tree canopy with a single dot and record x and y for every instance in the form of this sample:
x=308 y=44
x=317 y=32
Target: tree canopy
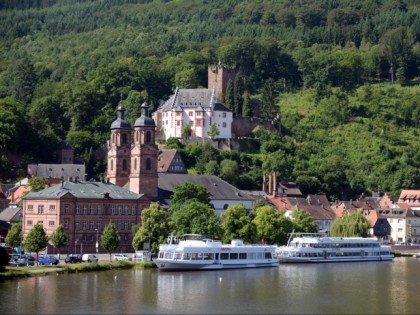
x=110 y=239
x=350 y=225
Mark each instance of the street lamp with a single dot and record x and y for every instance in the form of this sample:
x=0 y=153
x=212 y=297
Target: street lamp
x=97 y=240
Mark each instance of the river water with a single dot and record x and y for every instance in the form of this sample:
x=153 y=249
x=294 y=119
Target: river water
x=338 y=288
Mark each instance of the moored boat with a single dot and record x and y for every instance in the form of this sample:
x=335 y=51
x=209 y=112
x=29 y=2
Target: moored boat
x=317 y=248
x=196 y=252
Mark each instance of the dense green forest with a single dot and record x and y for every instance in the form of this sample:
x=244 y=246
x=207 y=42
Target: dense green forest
x=342 y=78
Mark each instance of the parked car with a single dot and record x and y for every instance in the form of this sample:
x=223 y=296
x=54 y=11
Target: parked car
x=21 y=261
x=89 y=258
x=47 y=260
x=119 y=257
x=72 y=259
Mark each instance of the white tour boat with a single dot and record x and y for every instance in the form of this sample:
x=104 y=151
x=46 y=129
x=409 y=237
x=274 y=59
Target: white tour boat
x=195 y=252
x=317 y=248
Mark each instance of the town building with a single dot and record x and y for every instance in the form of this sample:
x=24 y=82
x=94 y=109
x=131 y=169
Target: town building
x=170 y=161
x=409 y=198
x=56 y=173
x=405 y=224
x=84 y=209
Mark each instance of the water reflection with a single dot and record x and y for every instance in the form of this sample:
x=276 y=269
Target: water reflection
x=351 y=288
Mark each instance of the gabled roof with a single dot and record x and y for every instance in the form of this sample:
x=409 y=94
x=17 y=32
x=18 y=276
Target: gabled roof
x=84 y=190
x=165 y=159
x=399 y=213
x=63 y=171
x=12 y=214
x=190 y=99
x=318 y=212
x=218 y=188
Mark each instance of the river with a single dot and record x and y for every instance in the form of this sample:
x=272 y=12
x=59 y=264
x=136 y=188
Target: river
x=337 y=288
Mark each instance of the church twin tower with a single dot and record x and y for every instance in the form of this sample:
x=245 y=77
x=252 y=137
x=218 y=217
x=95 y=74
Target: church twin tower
x=134 y=165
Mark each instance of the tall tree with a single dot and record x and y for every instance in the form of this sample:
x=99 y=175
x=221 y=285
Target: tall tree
x=59 y=238
x=228 y=99
x=268 y=103
x=188 y=191
x=272 y=226
x=350 y=225
x=110 y=239
x=14 y=236
x=155 y=227
x=195 y=217
x=24 y=81
x=247 y=110
x=236 y=223
x=36 y=240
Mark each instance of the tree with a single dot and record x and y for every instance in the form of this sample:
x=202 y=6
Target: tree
x=14 y=236
x=24 y=81
x=303 y=222
x=195 y=217
x=236 y=223
x=38 y=183
x=187 y=192
x=229 y=170
x=350 y=225
x=36 y=240
x=212 y=168
x=59 y=238
x=110 y=240
x=155 y=227
x=213 y=131
x=247 y=110
x=268 y=102
x=186 y=132
x=228 y=99
x=5 y=168
x=272 y=225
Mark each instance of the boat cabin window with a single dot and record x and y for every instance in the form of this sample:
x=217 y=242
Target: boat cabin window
x=224 y=256
x=242 y=255
x=233 y=256
x=187 y=256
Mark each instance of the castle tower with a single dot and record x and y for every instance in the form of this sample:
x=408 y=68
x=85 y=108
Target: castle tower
x=119 y=150
x=218 y=78
x=144 y=156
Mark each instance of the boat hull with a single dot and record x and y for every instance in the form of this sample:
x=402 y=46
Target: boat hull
x=331 y=260
x=170 y=265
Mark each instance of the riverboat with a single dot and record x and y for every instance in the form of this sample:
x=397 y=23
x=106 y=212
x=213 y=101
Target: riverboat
x=197 y=252
x=319 y=248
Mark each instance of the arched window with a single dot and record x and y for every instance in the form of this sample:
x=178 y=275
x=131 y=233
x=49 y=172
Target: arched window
x=113 y=138
x=148 y=137
x=112 y=165
x=148 y=165
x=135 y=164
x=137 y=137
x=124 y=138
x=124 y=165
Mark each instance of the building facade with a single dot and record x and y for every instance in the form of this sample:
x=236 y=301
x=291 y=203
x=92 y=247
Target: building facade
x=84 y=209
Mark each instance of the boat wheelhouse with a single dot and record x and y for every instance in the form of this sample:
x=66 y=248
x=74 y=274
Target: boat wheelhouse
x=318 y=247
x=196 y=252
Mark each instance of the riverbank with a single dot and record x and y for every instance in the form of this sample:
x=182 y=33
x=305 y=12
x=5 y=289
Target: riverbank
x=22 y=272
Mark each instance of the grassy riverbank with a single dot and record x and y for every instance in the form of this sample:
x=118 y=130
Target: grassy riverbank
x=22 y=272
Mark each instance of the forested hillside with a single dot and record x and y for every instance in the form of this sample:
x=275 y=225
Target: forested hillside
x=341 y=76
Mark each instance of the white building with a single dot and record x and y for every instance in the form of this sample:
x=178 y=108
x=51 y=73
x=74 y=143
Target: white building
x=197 y=108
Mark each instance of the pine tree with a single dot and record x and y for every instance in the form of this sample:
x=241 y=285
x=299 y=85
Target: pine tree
x=229 y=97
x=247 y=110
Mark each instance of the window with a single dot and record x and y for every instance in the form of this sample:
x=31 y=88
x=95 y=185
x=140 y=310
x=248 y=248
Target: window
x=66 y=224
x=51 y=223
x=119 y=226
x=77 y=225
x=135 y=164
x=224 y=125
x=40 y=209
x=85 y=210
x=41 y=222
x=52 y=208
x=124 y=165
x=112 y=165
x=190 y=114
x=84 y=225
x=77 y=209
x=133 y=211
x=98 y=225
x=92 y=225
x=113 y=210
x=198 y=123
x=119 y=210
x=224 y=115
x=178 y=113
x=29 y=223
x=126 y=210
x=178 y=123
x=148 y=165
x=99 y=210
x=199 y=114
x=30 y=208
x=126 y=225
x=124 y=138
x=148 y=137
x=66 y=209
